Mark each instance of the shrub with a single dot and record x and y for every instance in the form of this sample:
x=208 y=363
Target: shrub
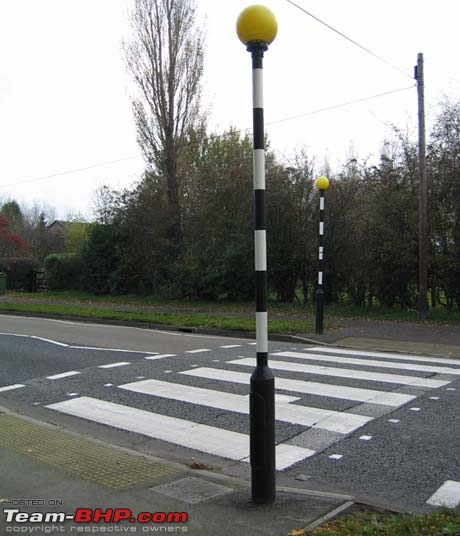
x=63 y=271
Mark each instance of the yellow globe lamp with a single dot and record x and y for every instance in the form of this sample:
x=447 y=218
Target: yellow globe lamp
x=256 y=24
x=322 y=183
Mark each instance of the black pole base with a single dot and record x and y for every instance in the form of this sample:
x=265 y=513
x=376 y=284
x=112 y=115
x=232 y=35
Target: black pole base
x=319 y=308
x=262 y=435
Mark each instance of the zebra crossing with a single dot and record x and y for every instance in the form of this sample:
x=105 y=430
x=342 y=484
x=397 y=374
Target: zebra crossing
x=332 y=391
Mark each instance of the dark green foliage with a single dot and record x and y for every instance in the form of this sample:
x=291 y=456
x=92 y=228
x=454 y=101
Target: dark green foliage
x=63 y=271
x=98 y=259
x=371 y=227
x=18 y=272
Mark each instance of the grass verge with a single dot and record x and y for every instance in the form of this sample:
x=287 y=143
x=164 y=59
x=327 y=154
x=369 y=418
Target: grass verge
x=231 y=323
x=367 y=523
x=333 y=311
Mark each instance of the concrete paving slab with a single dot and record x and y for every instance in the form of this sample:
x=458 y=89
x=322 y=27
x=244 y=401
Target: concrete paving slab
x=34 y=482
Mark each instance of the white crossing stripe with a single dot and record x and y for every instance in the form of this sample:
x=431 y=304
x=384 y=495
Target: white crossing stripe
x=225 y=443
x=448 y=495
x=385 y=355
x=114 y=365
x=159 y=356
x=369 y=363
x=63 y=375
x=11 y=387
x=332 y=421
x=198 y=351
x=346 y=373
x=232 y=346
x=311 y=388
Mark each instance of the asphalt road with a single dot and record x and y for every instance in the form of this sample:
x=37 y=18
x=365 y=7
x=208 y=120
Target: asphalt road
x=383 y=428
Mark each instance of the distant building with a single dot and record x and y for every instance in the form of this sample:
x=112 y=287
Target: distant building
x=56 y=227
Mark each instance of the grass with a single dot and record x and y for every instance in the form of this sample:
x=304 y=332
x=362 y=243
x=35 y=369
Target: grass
x=231 y=323
x=442 y=523
x=333 y=311
x=210 y=314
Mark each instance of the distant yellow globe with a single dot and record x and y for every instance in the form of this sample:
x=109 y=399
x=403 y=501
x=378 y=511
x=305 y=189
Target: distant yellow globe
x=256 y=23
x=322 y=183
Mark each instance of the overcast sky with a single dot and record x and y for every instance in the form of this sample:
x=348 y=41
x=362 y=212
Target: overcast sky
x=65 y=94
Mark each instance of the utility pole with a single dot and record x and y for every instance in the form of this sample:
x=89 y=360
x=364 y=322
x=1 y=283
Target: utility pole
x=422 y=210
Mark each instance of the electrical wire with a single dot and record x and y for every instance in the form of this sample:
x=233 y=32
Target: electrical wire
x=362 y=47
x=213 y=136
x=61 y=173
x=335 y=106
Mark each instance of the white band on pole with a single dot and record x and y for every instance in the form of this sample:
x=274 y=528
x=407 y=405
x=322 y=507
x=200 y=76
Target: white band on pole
x=260 y=238
x=259 y=169
x=261 y=332
x=257 y=88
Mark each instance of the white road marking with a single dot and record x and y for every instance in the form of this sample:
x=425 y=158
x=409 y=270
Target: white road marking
x=198 y=351
x=63 y=375
x=11 y=387
x=365 y=437
x=113 y=365
x=434 y=397
x=447 y=495
x=57 y=343
x=108 y=384
x=394 y=421
x=415 y=409
x=312 y=388
x=225 y=443
x=159 y=356
x=385 y=355
x=232 y=346
x=369 y=362
x=13 y=334
x=285 y=399
x=335 y=456
x=346 y=373
x=307 y=416
x=72 y=394
x=99 y=349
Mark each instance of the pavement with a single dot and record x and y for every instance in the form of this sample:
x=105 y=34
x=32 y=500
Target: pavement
x=48 y=469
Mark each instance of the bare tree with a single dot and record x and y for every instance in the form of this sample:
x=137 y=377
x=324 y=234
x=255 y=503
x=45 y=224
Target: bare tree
x=165 y=58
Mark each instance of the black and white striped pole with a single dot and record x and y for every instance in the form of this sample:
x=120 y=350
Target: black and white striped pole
x=322 y=184
x=257 y=27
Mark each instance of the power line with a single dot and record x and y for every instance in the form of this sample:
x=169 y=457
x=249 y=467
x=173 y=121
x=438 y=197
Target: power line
x=210 y=137
x=61 y=173
x=362 y=47
x=356 y=101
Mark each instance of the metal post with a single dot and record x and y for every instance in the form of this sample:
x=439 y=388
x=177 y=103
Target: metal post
x=322 y=184
x=262 y=397
x=257 y=27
